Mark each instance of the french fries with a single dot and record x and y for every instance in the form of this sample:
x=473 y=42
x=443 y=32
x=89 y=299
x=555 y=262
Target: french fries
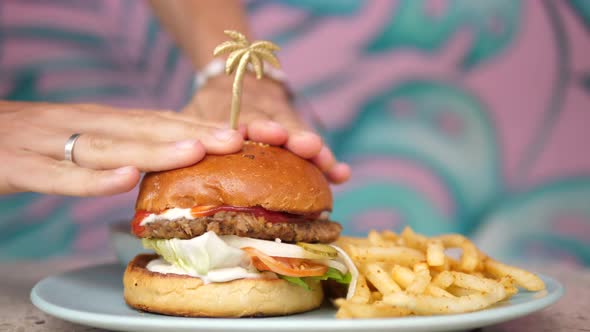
x=411 y=274
x=362 y=294
x=421 y=279
x=380 y=279
x=435 y=253
x=470 y=257
x=469 y=281
x=523 y=278
x=437 y=291
x=402 y=275
x=400 y=255
x=376 y=239
x=443 y=279
x=430 y=305
x=414 y=240
x=375 y=310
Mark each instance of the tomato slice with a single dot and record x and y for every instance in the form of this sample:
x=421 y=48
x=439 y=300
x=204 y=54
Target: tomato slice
x=204 y=210
x=209 y=210
x=270 y=216
x=136 y=228
x=292 y=267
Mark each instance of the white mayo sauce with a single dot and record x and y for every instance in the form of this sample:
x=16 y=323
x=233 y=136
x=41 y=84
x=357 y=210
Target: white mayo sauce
x=177 y=213
x=170 y=214
x=219 y=275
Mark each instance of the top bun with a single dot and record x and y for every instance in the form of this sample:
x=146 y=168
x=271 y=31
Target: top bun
x=258 y=175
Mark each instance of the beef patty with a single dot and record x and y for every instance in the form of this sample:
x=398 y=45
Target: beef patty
x=245 y=225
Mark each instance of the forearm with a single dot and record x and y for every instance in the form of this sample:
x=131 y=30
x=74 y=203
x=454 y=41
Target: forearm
x=8 y=105
x=197 y=26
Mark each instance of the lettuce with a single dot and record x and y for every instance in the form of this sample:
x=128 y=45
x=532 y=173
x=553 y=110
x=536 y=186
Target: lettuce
x=201 y=254
x=331 y=274
x=198 y=255
x=296 y=280
x=335 y=275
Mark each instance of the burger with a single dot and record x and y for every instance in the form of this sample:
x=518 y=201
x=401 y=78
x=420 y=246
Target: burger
x=244 y=234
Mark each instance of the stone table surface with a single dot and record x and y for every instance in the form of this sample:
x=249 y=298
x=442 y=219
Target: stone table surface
x=17 y=313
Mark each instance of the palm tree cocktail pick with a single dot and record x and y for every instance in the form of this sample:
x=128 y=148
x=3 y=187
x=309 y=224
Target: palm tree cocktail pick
x=242 y=53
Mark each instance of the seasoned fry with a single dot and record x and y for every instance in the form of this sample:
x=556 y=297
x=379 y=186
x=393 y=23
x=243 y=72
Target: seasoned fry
x=376 y=296
x=375 y=310
x=430 y=305
x=362 y=294
x=447 y=265
x=410 y=274
x=470 y=256
x=509 y=286
x=421 y=279
x=389 y=236
x=460 y=291
x=469 y=281
x=402 y=275
x=443 y=279
x=437 y=291
x=435 y=253
x=343 y=312
x=507 y=281
x=397 y=255
x=344 y=241
x=375 y=239
x=381 y=279
x=414 y=240
x=339 y=302
x=523 y=278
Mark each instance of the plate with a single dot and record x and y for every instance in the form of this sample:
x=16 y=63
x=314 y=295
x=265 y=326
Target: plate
x=93 y=296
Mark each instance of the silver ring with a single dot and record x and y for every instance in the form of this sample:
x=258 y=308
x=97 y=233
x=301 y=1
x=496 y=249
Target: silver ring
x=69 y=147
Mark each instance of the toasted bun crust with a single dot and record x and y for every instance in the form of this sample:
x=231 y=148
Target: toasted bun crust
x=177 y=295
x=259 y=175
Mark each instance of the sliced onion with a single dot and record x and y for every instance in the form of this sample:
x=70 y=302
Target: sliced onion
x=354 y=273
x=270 y=248
x=333 y=264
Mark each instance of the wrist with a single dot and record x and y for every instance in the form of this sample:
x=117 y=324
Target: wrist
x=273 y=81
x=251 y=85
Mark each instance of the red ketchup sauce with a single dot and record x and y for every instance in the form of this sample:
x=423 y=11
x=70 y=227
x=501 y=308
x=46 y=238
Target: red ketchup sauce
x=136 y=228
x=205 y=211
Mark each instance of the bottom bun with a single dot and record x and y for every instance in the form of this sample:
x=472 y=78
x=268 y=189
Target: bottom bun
x=179 y=295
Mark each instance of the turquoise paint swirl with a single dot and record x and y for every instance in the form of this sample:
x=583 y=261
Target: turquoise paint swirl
x=314 y=7
x=414 y=209
x=467 y=162
x=529 y=217
x=493 y=24
x=581 y=8
x=47 y=236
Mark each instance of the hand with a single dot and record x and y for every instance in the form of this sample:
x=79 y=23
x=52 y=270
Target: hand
x=268 y=118
x=113 y=148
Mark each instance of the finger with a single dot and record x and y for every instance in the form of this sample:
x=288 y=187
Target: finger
x=299 y=140
x=217 y=137
x=142 y=125
x=267 y=131
x=193 y=118
x=340 y=173
x=336 y=172
x=104 y=152
x=99 y=152
x=36 y=173
x=324 y=160
x=305 y=144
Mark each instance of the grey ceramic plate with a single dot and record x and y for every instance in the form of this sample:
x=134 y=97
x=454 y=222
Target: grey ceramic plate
x=94 y=296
